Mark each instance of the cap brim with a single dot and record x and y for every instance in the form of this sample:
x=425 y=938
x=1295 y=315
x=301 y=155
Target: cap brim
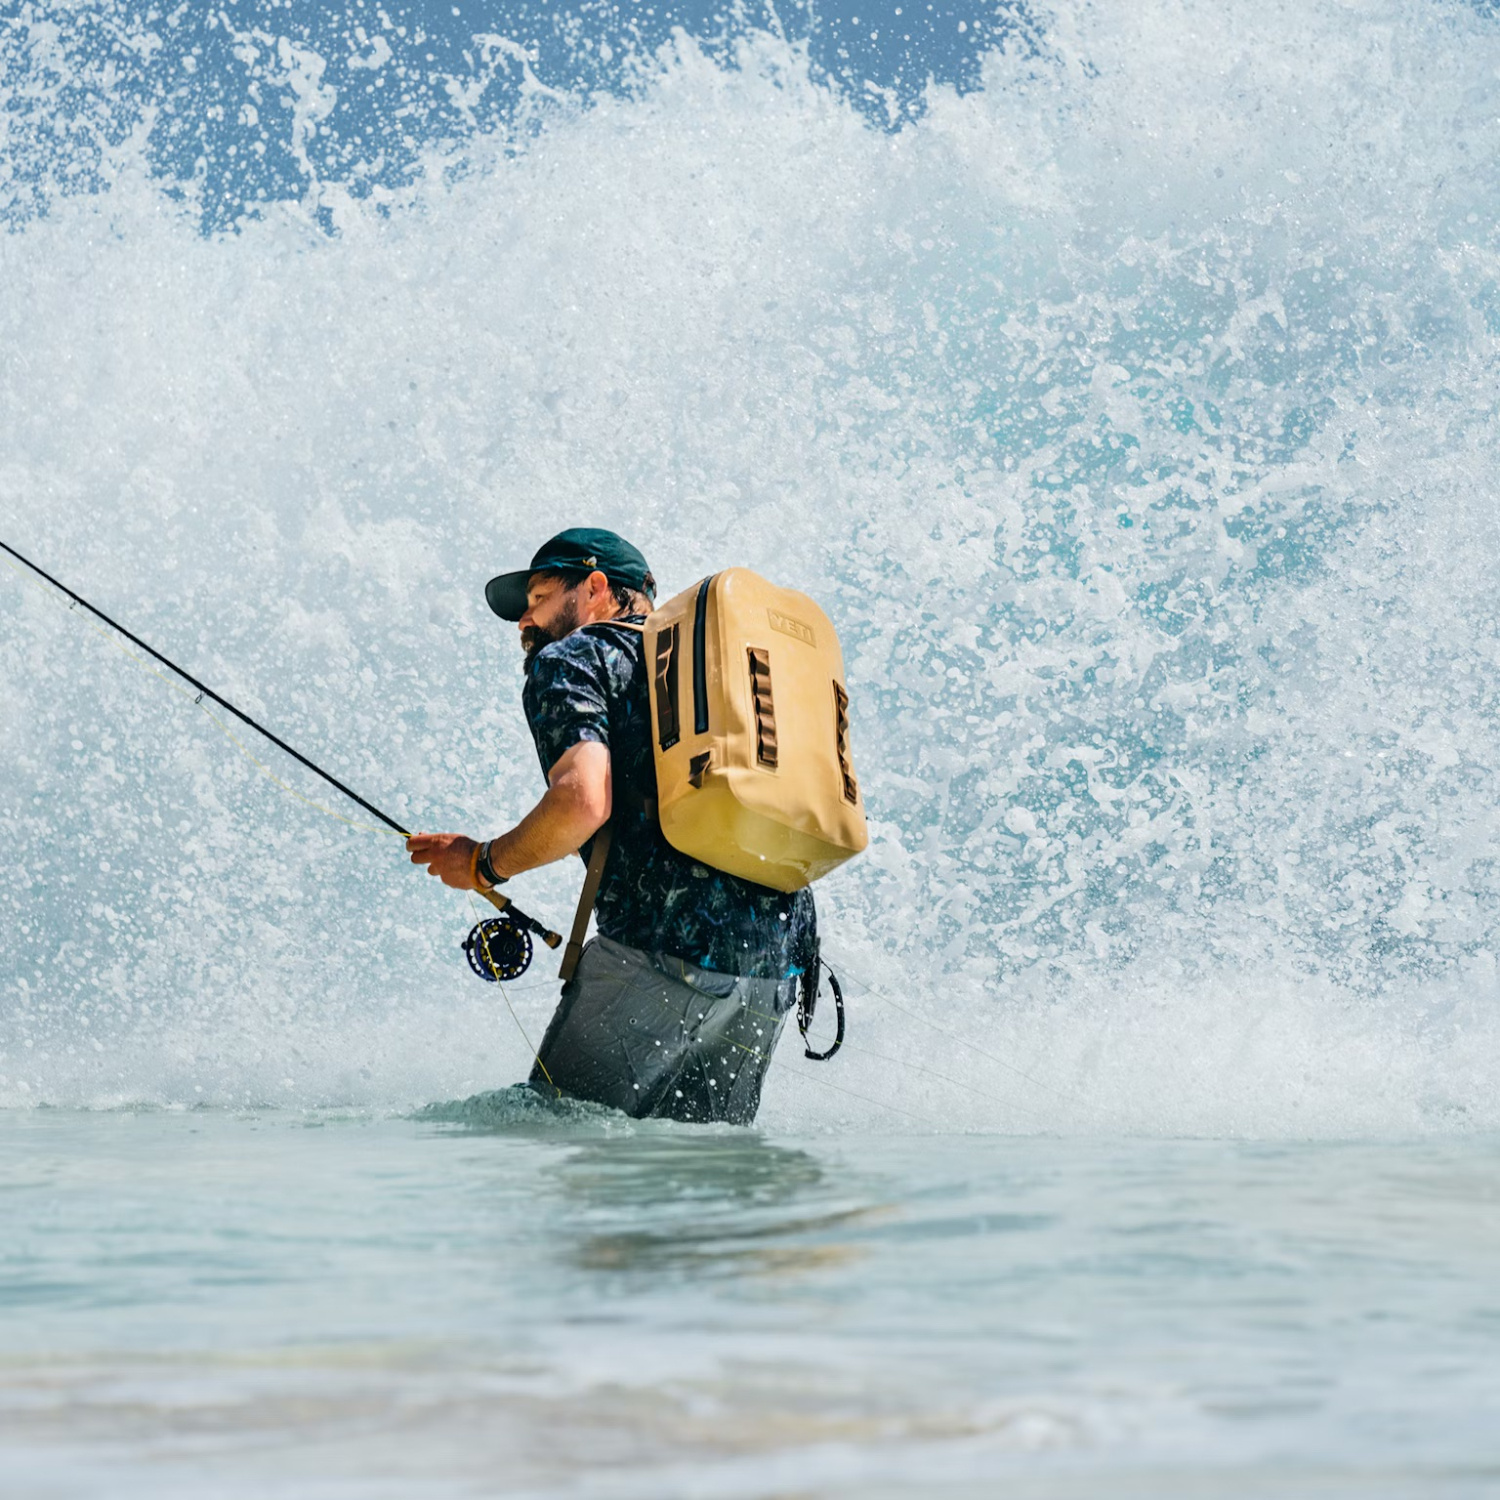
x=506 y=595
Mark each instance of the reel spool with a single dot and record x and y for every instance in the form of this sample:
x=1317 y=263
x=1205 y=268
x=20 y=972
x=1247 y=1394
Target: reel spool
x=498 y=948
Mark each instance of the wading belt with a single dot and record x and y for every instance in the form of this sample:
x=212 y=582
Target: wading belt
x=590 y=893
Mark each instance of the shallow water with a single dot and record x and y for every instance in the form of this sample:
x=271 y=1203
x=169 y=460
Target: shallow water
x=515 y=1301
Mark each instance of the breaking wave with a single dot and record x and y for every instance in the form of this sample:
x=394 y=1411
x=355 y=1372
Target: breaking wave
x=1129 y=399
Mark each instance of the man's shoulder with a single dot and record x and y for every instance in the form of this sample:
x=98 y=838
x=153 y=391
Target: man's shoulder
x=613 y=635
x=603 y=653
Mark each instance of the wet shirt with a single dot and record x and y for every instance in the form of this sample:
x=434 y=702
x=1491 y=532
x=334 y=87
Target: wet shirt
x=591 y=685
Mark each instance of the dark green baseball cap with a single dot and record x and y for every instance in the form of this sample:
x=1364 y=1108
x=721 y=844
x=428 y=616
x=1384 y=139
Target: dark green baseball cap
x=579 y=550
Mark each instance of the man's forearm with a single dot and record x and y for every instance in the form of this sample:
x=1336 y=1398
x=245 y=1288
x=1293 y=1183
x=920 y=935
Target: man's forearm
x=575 y=808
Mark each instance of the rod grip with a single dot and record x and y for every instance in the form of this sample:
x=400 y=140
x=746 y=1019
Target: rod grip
x=504 y=903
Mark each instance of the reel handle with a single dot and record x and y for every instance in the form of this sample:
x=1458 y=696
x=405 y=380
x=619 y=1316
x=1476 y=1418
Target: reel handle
x=504 y=903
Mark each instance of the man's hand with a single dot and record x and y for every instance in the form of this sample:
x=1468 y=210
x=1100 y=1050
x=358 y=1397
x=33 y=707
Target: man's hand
x=449 y=856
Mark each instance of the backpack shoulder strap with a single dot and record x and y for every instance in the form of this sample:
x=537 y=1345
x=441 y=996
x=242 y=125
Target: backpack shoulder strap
x=638 y=626
x=590 y=893
x=598 y=856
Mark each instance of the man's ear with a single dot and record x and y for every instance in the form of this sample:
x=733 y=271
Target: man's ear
x=598 y=584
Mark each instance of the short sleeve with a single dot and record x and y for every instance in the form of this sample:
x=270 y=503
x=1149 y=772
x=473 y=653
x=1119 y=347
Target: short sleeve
x=566 y=698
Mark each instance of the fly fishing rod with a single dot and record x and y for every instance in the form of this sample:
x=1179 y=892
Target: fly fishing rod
x=503 y=904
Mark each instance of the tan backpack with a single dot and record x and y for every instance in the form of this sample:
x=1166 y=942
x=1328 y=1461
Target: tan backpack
x=750 y=725
x=750 y=728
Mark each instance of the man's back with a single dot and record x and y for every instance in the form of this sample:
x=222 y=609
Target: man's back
x=591 y=686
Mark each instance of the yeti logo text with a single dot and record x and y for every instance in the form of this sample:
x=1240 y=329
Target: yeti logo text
x=788 y=626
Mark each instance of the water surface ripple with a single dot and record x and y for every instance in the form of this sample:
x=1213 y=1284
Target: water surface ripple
x=532 y=1304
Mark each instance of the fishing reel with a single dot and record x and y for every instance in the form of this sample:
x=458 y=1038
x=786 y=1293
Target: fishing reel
x=498 y=948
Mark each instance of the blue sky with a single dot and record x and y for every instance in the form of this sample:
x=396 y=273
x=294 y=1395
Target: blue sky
x=216 y=75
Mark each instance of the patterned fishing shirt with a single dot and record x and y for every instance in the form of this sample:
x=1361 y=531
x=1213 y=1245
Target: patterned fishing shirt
x=591 y=685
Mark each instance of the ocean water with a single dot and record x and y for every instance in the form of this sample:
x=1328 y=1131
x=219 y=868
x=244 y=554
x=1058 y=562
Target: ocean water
x=1123 y=382
x=501 y=1300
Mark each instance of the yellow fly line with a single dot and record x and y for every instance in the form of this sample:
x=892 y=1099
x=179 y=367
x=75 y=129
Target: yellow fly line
x=494 y=968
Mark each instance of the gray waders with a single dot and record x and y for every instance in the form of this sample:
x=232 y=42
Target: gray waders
x=656 y=1036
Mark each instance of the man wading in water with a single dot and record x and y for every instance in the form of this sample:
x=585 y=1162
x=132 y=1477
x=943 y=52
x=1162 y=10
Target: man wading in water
x=677 y=1004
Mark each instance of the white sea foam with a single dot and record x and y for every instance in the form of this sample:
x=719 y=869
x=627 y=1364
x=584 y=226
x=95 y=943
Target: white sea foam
x=1134 y=416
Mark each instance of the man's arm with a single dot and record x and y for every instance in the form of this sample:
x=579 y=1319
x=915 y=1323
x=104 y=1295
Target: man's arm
x=575 y=806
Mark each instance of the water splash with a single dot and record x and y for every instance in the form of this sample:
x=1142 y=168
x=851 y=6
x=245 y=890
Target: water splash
x=1133 y=413
x=241 y=106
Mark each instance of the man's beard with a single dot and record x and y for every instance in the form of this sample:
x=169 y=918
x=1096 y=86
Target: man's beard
x=534 y=637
